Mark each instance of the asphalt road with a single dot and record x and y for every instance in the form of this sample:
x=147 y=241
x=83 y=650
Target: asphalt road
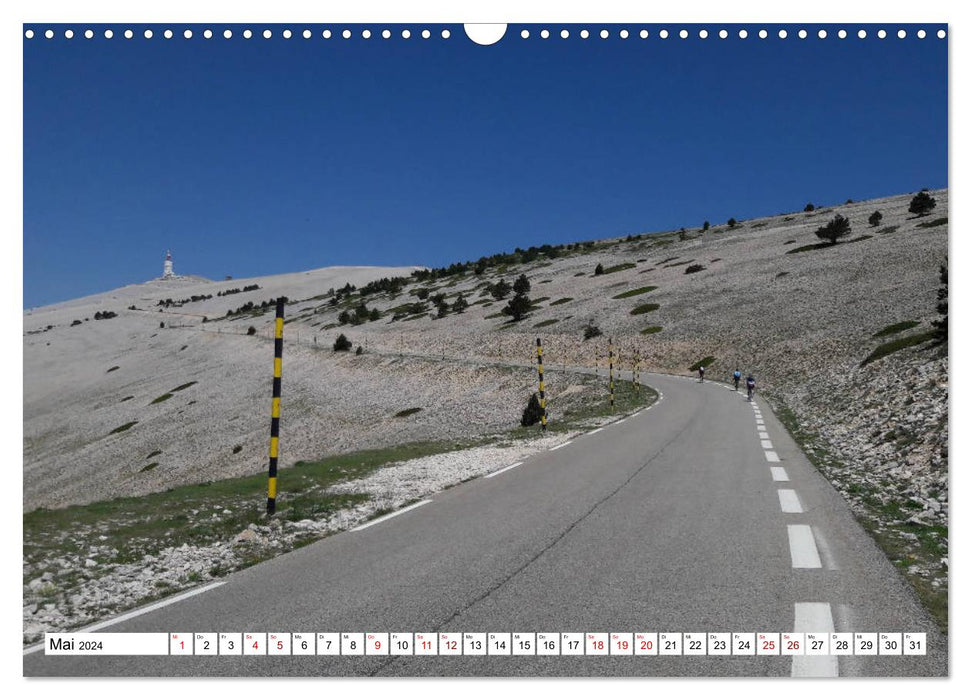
x=669 y=521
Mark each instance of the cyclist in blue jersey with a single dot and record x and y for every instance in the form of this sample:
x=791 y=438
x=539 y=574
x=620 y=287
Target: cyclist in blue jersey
x=736 y=376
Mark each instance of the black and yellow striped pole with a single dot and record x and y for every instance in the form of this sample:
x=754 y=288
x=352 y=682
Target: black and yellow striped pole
x=610 y=356
x=275 y=411
x=637 y=367
x=542 y=387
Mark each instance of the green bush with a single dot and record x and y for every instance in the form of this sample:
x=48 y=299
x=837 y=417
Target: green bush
x=940 y=325
x=533 y=413
x=932 y=224
x=898 y=344
x=691 y=269
x=619 y=268
x=895 y=328
x=591 y=331
x=633 y=292
x=705 y=362
x=650 y=330
x=644 y=308
x=922 y=203
x=875 y=218
x=342 y=344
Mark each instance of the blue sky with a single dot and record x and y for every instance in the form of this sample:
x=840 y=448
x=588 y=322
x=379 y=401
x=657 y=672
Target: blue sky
x=250 y=157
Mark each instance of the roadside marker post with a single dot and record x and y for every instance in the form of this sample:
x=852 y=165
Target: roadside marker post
x=610 y=356
x=275 y=410
x=542 y=388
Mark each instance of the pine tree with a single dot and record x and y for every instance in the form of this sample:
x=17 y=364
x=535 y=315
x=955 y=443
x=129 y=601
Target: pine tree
x=599 y=269
x=875 y=218
x=922 y=203
x=835 y=229
x=517 y=307
x=521 y=285
x=460 y=304
x=500 y=290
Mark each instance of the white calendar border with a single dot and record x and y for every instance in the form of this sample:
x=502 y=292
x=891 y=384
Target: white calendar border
x=501 y=10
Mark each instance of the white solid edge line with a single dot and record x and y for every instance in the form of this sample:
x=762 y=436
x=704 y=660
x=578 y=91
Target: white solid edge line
x=817 y=618
x=802 y=547
x=594 y=432
x=500 y=471
x=789 y=501
x=562 y=444
x=771 y=456
x=389 y=516
x=779 y=474
x=135 y=613
x=766 y=444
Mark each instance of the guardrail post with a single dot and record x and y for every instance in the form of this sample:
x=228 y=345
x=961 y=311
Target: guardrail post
x=542 y=388
x=275 y=410
x=610 y=356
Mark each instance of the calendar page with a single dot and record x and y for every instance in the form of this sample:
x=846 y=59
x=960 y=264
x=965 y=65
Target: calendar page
x=392 y=345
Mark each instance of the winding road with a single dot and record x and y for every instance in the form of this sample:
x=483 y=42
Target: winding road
x=697 y=515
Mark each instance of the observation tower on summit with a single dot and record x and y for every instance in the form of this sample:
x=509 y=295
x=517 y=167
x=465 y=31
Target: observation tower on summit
x=167 y=271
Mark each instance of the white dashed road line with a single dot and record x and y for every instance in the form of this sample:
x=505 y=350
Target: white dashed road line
x=389 y=516
x=779 y=474
x=817 y=618
x=802 y=547
x=594 y=432
x=766 y=444
x=136 y=613
x=504 y=469
x=789 y=501
x=771 y=456
x=562 y=444
x=763 y=435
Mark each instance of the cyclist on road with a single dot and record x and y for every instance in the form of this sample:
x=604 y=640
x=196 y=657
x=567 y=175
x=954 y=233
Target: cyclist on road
x=750 y=384
x=736 y=376
x=701 y=373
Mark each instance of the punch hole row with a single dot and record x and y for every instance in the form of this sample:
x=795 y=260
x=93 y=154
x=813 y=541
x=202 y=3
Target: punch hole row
x=725 y=34
x=446 y=34
x=245 y=34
